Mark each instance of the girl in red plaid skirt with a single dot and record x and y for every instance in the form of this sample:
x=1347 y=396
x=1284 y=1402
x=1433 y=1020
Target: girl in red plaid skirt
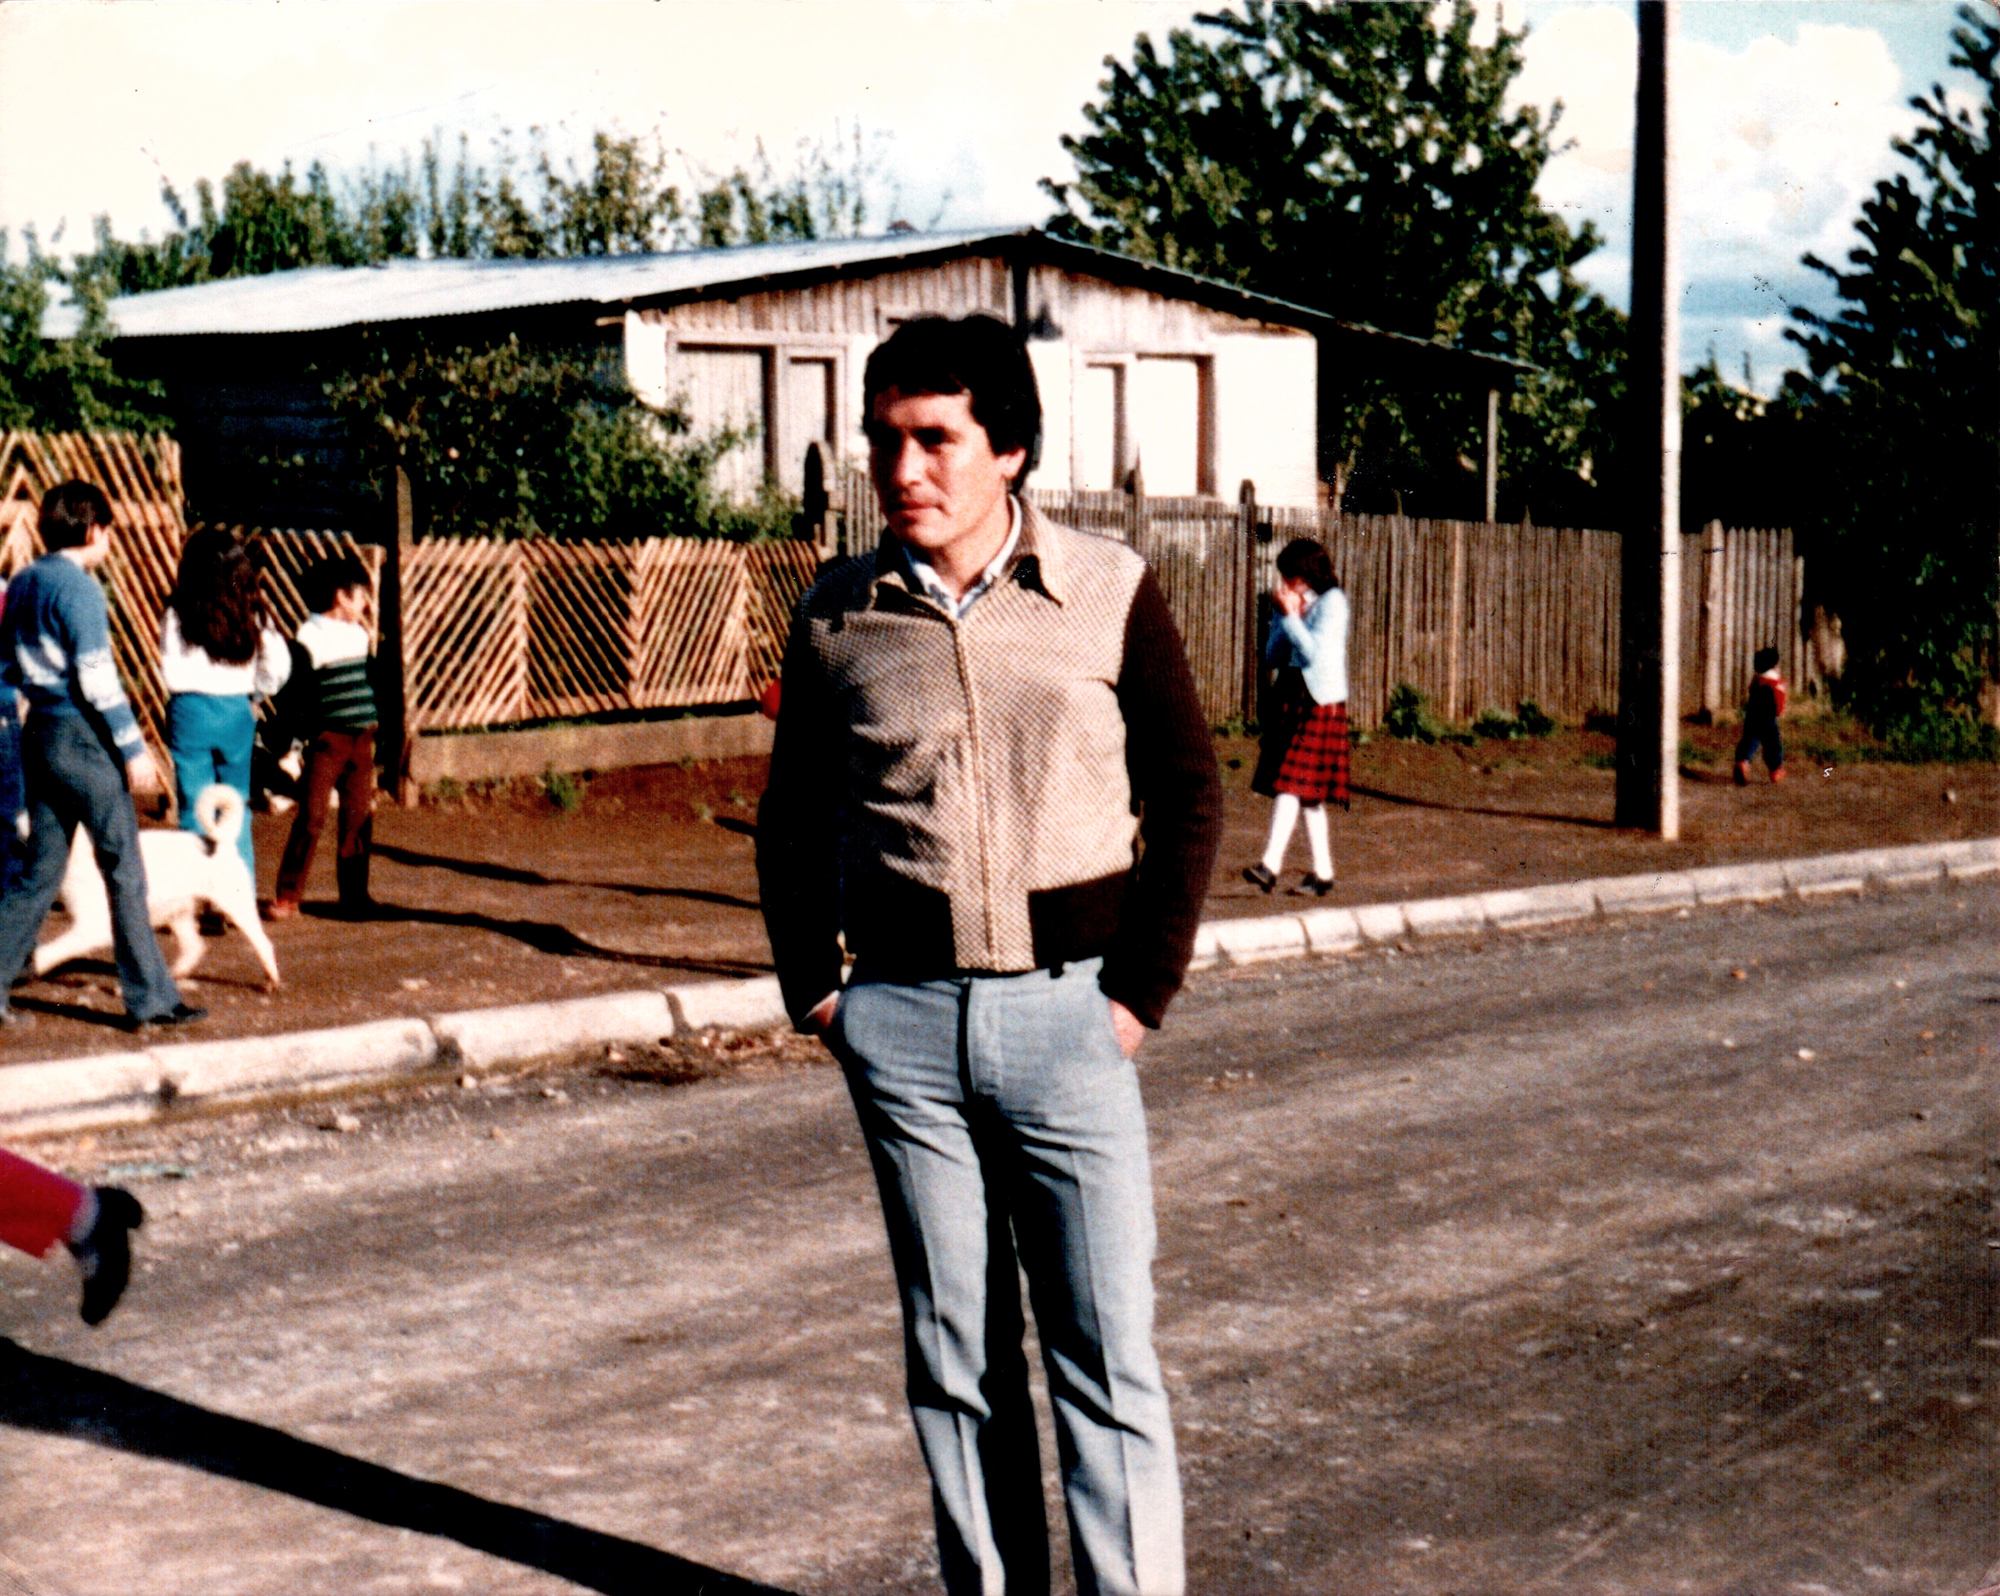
x=1304 y=758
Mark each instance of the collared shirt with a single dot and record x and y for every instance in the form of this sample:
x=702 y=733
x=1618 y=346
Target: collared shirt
x=924 y=574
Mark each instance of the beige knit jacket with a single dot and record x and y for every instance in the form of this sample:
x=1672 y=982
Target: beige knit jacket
x=970 y=795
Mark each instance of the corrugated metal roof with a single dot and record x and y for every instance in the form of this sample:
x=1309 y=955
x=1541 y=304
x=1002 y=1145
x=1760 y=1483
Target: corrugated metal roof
x=320 y=298
x=317 y=298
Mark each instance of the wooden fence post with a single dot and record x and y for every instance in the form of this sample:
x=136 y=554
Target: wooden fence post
x=1455 y=621
x=399 y=735
x=1708 y=644
x=817 y=519
x=1252 y=654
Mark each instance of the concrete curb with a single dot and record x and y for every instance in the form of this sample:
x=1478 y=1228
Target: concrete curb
x=124 y=1088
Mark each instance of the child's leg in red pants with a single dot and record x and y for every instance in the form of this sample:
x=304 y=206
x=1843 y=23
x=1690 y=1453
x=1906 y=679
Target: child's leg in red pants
x=39 y=1208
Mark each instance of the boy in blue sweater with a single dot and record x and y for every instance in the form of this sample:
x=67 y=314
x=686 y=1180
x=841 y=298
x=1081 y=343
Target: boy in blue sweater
x=82 y=753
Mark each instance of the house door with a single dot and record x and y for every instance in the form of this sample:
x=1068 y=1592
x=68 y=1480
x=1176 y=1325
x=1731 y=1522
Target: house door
x=809 y=416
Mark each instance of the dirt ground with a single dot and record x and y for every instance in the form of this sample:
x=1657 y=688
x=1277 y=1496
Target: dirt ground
x=504 y=897
x=1632 y=1257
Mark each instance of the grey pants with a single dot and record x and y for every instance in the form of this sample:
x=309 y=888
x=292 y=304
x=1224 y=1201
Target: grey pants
x=1004 y=1124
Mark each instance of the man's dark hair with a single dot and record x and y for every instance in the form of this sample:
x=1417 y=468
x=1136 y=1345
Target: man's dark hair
x=70 y=512
x=332 y=576
x=980 y=356
x=1763 y=660
x=1307 y=558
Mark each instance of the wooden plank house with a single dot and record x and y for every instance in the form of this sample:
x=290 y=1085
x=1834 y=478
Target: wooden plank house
x=1199 y=385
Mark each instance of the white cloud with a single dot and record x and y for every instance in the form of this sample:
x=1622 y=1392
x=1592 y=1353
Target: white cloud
x=1776 y=145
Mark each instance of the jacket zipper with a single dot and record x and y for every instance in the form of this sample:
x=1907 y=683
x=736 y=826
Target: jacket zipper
x=978 y=785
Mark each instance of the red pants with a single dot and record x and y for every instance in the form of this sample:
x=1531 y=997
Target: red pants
x=38 y=1207
x=346 y=761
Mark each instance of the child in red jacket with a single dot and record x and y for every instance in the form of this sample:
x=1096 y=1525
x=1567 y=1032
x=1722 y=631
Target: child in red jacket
x=1760 y=719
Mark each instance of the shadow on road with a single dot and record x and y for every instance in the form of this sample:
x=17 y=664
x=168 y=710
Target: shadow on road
x=57 y=1398
x=534 y=878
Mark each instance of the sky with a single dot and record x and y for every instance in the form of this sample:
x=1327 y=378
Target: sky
x=1784 y=109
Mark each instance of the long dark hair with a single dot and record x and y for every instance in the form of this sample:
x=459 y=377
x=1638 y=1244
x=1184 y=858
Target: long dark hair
x=219 y=597
x=1307 y=558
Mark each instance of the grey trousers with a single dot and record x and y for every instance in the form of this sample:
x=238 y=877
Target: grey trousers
x=1005 y=1125
x=72 y=781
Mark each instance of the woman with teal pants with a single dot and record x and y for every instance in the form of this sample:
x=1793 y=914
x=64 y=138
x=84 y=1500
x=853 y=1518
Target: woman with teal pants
x=216 y=652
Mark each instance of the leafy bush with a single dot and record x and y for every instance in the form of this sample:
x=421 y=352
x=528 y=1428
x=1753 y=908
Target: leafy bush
x=512 y=442
x=1931 y=734
x=1408 y=716
x=1532 y=720
x=1528 y=720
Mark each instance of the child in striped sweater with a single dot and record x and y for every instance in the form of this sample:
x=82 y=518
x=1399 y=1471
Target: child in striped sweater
x=340 y=751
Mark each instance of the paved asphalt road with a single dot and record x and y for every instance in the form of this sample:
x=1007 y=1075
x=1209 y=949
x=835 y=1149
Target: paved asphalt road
x=1651 y=1255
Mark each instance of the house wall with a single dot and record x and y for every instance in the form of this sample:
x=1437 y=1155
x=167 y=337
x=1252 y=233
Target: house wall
x=1198 y=398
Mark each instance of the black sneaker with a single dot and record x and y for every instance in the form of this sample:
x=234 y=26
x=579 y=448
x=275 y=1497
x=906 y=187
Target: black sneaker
x=179 y=1014
x=1315 y=886
x=1260 y=878
x=105 y=1255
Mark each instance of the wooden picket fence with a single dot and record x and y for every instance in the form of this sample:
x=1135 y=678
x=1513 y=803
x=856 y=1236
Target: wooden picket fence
x=142 y=478
x=1474 y=616
x=495 y=632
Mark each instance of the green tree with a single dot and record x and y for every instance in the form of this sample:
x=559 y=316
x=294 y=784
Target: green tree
x=1903 y=402
x=1361 y=159
x=63 y=384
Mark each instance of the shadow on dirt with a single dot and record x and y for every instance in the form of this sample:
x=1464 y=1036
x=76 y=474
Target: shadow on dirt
x=56 y=1398
x=533 y=878
x=544 y=937
x=1474 y=809
x=111 y=1020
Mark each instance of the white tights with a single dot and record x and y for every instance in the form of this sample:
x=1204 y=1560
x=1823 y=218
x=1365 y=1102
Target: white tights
x=1284 y=816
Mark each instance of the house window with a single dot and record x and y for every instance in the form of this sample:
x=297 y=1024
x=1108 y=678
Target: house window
x=1099 y=428
x=1169 y=435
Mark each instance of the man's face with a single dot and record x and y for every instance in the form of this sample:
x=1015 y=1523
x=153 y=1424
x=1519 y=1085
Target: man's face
x=939 y=481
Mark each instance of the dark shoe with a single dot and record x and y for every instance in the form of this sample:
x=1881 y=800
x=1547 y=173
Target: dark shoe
x=1259 y=877
x=357 y=909
x=105 y=1255
x=1318 y=886
x=179 y=1014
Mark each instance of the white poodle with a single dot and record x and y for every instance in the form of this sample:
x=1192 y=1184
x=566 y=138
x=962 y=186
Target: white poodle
x=183 y=871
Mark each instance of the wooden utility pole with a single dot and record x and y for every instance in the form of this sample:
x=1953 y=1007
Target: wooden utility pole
x=1649 y=672
x=396 y=740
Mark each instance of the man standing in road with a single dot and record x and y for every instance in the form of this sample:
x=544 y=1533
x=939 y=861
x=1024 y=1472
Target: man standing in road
x=993 y=784
x=82 y=753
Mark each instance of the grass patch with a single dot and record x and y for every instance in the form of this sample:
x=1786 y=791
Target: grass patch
x=563 y=790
